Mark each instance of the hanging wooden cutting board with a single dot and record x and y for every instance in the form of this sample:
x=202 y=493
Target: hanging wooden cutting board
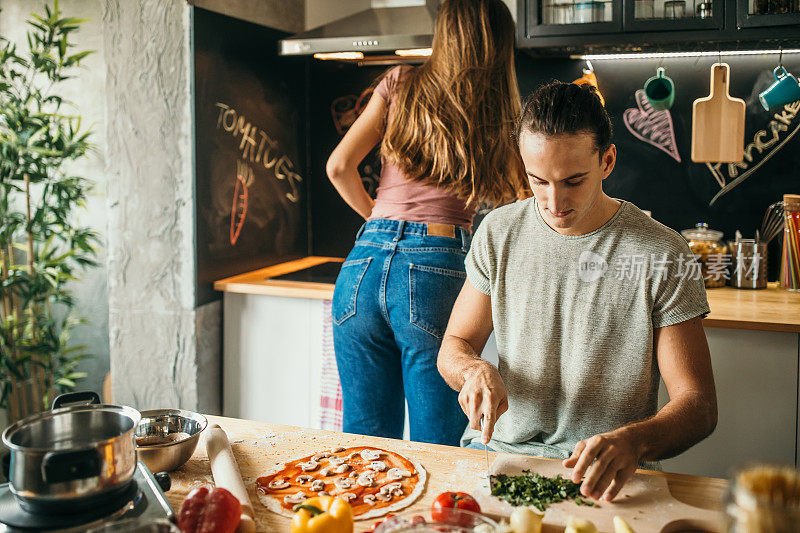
x=718 y=122
x=645 y=502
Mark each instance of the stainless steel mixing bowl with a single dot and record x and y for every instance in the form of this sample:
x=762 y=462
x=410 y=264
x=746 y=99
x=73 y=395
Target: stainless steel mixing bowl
x=167 y=438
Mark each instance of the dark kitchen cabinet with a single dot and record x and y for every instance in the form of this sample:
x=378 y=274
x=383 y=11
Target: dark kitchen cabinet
x=568 y=26
x=564 y=17
x=673 y=15
x=767 y=13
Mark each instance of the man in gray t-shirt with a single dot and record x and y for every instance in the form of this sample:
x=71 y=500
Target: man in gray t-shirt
x=591 y=301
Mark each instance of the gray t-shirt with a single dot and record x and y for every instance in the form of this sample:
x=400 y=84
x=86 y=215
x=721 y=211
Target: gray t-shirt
x=573 y=319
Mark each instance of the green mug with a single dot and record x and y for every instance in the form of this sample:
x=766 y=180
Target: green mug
x=660 y=91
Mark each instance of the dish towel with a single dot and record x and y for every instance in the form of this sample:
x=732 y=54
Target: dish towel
x=330 y=412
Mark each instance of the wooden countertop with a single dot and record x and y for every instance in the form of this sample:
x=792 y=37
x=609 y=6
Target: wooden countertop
x=770 y=309
x=258 y=446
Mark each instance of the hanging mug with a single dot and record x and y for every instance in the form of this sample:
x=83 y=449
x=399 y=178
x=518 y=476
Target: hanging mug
x=660 y=91
x=784 y=90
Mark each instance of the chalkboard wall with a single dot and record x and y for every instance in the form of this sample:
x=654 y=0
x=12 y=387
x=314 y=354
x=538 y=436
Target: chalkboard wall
x=267 y=124
x=251 y=197
x=653 y=171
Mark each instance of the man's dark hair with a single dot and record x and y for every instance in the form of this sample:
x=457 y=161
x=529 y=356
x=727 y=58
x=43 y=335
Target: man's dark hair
x=566 y=108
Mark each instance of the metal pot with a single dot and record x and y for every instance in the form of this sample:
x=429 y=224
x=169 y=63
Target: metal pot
x=72 y=458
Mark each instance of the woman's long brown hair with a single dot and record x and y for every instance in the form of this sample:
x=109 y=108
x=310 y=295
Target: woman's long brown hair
x=453 y=118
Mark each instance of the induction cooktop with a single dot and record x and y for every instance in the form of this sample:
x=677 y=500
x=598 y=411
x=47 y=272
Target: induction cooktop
x=321 y=273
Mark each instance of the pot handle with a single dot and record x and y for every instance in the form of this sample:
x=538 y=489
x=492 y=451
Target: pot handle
x=59 y=467
x=86 y=397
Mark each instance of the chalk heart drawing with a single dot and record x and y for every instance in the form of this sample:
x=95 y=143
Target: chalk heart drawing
x=652 y=127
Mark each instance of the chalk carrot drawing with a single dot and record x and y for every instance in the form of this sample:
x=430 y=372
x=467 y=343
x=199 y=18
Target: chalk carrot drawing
x=244 y=178
x=652 y=127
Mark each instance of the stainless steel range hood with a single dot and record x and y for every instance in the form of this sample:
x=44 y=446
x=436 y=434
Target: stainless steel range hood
x=388 y=25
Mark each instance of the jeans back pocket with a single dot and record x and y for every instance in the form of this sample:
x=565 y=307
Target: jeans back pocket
x=346 y=290
x=433 y=292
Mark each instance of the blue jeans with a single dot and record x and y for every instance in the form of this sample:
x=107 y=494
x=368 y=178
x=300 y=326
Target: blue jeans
x=391 y=305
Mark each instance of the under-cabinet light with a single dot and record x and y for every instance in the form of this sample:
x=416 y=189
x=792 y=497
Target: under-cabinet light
x=665 y=55
x=415 y=52
x=339 y=55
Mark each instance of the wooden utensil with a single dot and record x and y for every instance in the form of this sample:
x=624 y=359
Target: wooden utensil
x=226 y=474
x=718 y=122
x=644 y=502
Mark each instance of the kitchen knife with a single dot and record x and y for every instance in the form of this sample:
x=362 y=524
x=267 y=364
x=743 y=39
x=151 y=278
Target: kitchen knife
x=486 y=454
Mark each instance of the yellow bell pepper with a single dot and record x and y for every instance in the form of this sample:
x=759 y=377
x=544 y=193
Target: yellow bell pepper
x=322 y=514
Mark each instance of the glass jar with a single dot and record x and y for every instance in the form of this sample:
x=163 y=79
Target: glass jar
x=707 y=245
x=763 y=498
x=674 y=9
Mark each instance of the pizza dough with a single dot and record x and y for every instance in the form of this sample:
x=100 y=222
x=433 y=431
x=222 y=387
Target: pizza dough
x=374 y=481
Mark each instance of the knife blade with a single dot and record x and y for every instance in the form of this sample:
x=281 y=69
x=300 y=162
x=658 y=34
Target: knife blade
x=485 y=453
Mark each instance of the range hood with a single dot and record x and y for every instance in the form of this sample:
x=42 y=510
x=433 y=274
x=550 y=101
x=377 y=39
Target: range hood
x=388 y=25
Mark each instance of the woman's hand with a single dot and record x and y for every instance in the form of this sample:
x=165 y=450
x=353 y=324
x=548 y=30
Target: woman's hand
x=342 y=166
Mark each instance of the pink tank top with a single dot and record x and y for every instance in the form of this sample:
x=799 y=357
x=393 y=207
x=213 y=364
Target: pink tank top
x=401 y=199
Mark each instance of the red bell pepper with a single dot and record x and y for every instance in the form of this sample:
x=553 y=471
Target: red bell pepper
x=209 y=510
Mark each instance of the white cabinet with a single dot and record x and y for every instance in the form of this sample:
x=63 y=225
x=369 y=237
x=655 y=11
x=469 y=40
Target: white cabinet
x=271 y=358
x=756 y=374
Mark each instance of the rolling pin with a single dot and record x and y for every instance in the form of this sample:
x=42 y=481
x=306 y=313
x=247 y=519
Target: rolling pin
x=226 y=474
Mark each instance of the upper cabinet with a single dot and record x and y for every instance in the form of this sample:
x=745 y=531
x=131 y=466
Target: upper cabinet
x=674 y=15
x=554 y=18
x=760 y=13
x=638 y=23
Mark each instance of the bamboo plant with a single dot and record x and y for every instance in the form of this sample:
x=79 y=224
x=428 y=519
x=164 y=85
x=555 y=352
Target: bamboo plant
x=42 y=245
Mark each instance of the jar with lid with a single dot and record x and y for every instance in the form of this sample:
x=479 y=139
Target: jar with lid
x=712 y=253
x=763 y=498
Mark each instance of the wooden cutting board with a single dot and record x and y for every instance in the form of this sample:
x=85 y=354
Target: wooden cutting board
x=645 y=502
x=718 y=122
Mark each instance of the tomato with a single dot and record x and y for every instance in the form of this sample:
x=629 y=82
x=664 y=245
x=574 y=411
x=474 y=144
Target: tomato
x=213 y=510
x=441 y=510
x=379 y=522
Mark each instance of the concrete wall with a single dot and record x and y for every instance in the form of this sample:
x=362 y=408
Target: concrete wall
x=87 y=92
x=150 y=251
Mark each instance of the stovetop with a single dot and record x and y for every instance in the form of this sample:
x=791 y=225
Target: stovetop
x=144 y=501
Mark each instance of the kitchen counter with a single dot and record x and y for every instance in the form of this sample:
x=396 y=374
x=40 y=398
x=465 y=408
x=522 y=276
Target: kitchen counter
x=258 y=446
x=770 y=309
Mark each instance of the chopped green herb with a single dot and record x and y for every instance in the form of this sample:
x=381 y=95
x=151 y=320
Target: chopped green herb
x=536 y=490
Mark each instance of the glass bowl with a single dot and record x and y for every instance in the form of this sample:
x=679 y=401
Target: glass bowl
x=455 y=521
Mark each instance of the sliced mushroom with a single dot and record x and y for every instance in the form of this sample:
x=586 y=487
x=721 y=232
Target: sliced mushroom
x=370 y=455
x=384 y=497
x=337 y=449
x=396 y=473
x=369 y=499
x=347 y=496
x=323 y=493
x=353 y=474
x=352 y=456
x=341 y=469
x=298 y=497
x=378 y=466
x=367 y=479
x=335 y=460
x=309 y=466
x=316 y=458
x=278 y=485
x=390 y=488
x=343 y=483
x=303 y=479
x=325 y=472
x=317 y=485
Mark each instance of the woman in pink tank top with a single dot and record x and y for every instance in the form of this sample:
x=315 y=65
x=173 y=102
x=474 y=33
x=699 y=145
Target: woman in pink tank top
x=446 y=134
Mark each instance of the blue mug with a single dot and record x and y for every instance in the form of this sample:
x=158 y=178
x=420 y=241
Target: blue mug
x=784 y=90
